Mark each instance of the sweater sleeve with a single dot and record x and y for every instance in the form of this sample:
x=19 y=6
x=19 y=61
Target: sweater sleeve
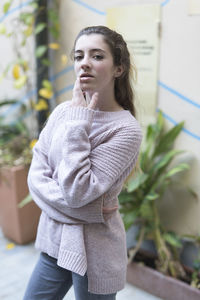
x=46 y=191
x=84 y=175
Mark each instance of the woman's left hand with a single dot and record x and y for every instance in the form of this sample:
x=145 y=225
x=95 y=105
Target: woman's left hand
x=108 y=210
x=78 y=98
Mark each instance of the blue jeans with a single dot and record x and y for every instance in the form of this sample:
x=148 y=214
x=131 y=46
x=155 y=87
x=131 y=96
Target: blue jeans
x=51 y=282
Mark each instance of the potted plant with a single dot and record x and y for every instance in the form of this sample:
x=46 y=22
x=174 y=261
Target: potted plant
x=18 y=224
x=33 y=21
x=139 y=205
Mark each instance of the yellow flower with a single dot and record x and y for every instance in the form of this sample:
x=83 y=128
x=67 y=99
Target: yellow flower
x=64 y=59
x=41 y=105
x=32 y=143
x=20 y=82
x=54 y=46
x=25 y=65
x=16 y=71
x=10 y=246
x=28 y=31
x=46 y=93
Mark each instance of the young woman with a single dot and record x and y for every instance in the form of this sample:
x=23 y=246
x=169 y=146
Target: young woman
x=84 y=153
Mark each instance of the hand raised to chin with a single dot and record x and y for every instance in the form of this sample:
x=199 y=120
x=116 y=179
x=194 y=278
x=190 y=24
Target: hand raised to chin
x=78 y=98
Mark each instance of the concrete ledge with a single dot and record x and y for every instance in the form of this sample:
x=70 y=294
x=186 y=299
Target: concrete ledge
x=160 y=285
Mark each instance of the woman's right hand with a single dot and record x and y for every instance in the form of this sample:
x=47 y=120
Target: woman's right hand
x=78 y=98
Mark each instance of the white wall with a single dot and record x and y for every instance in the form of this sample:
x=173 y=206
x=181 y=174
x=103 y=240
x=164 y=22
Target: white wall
x=8 y=54
x=180 y=71
x=178 y=86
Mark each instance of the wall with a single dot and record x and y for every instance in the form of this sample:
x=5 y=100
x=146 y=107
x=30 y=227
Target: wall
x=8 y=55
x=178 y=88
x=178 y=85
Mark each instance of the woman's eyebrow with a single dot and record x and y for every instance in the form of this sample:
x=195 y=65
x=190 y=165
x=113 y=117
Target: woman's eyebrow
x=97 y=50
x=91 y=50
x=78 y=51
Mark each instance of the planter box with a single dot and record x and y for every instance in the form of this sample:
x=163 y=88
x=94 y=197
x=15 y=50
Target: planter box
x=18 y=224
x=162 y=286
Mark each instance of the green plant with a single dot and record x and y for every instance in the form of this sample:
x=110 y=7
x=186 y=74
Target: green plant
x=27 y=24
x=15 y=152
x=196 y=274
x=15 y=141
x=142 y=192
x=194 y=242
x=32 y=32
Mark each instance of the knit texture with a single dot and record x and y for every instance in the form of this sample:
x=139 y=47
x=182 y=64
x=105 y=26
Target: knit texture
x=79 y=165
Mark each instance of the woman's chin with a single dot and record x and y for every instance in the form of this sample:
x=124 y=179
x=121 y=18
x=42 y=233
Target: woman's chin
x=86 y=89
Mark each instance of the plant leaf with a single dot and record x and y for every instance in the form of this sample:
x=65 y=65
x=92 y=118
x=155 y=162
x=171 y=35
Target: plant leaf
x=2 y=28
x=192 y=192
x=46 y=62
x=153 y=133
x=129 y=219
x=151 y=196
x=6 y=7
x=134 y=183
x=8 y=102
x=167 y=140
x=172 y=239
x=160 y=121
x=165 y=160
x=27 y=18
x=125 y=197
x=40 y=50
x=47 y=84
x=25 y=201
x=19 y=83
x=34 y=5
x=181 y=167
x=146 y=211
x=40 y=27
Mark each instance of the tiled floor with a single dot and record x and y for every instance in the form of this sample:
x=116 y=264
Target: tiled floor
x=17 y=262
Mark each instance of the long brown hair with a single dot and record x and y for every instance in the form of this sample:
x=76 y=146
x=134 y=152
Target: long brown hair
x=124 y=92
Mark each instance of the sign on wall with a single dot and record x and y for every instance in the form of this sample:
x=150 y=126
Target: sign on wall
x=140 y=26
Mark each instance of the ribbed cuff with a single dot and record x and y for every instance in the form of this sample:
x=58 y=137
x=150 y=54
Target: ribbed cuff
x=90 y=213
x=79 y=113
x=72 y=261
x=105 y=286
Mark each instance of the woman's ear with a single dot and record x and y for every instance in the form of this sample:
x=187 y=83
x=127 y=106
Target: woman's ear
x=119 y=71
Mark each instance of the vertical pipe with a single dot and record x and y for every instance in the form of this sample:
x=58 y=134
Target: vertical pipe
x=42 y=70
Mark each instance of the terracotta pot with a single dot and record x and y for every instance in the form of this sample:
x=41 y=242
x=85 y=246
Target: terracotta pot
x=18 y=224
x=160 y=285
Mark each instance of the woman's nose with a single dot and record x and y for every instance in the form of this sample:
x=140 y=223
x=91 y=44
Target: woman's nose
x=85 y=63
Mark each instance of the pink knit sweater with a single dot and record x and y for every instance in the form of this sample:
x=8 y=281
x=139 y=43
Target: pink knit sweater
x=79 y=165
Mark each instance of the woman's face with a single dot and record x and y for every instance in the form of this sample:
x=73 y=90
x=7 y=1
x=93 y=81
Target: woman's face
x=94 y=63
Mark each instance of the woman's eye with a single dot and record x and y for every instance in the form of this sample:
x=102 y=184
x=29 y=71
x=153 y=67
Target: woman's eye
x=98 y=57
x=78 y=57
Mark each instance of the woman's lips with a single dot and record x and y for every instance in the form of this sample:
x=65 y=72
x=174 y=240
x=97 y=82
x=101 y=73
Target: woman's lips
x=86 y=78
